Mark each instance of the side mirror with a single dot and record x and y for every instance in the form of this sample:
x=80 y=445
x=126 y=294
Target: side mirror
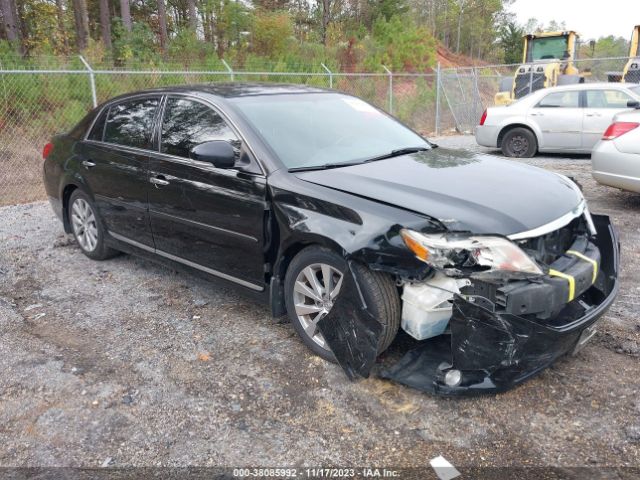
x=633 y=104
x=218 y=152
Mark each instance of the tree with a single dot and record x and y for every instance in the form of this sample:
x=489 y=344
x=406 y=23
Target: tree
x=125 y=15
x=162 y=24
x=61 y=27
x=510 y=40
x=105 y=24
x=11 y=22
x=326 y=18
x=81 y=17
x=193 y=19
x=271 y=34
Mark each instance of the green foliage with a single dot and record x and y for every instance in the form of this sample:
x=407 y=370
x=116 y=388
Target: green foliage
x=511 y=42
x=137 y=47
x=610 y=47
x=272 y=32
x=400 y=45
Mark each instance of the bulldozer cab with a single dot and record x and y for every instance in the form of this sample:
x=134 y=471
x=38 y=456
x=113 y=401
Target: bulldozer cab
x=547 y=61
x=550 y=46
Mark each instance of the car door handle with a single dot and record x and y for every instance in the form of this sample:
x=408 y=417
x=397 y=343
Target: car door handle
x=88 y=164
x=537 y=114
x=159 y=180
x=593 y=115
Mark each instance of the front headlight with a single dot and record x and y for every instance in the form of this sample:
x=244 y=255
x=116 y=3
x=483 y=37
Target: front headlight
x=485 y=253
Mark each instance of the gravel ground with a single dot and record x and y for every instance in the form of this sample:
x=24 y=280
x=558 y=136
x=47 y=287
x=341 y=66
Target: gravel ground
x=127 y=363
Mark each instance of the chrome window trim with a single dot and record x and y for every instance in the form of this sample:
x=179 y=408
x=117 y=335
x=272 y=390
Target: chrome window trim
x=554 y=225
x=205 y=225
x=163 y=97
x=189 y=263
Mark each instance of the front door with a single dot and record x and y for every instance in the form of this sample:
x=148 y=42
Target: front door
x=559 y=116
x=206 y=217
x=114 y=162
x=601 y=106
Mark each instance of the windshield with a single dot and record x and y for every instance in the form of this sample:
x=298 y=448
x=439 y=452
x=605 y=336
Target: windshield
x=635 y=90
x=308 y=130
x=547 y=48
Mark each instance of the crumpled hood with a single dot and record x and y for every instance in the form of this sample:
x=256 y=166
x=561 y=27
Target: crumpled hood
x=466 y=191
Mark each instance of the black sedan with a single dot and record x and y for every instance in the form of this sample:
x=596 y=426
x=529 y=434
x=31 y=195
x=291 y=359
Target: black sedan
x=352 y=224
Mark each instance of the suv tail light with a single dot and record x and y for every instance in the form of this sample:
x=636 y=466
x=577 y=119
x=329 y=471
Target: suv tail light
x=483 y=118
x=47 y=150
x=619 y=128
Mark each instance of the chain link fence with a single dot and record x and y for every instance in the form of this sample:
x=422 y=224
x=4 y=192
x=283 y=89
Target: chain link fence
x=35 y=104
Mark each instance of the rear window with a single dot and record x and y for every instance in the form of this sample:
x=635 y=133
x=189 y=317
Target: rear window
x=131 y=123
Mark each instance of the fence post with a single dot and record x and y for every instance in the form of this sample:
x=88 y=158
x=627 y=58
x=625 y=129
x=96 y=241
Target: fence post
x=531 y=78
x=438 y=100
x=476 y=98
x=390 y=88
x=229 y=69
x=92 y=81
x=326 y=69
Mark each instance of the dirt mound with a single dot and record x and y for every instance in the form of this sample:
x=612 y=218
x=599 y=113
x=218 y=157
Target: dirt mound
x=448 y=59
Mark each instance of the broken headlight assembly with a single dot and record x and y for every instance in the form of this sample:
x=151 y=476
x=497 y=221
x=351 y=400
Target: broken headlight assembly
x=456 y=253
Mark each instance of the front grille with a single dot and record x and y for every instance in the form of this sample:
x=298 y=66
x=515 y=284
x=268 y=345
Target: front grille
x=522 y=83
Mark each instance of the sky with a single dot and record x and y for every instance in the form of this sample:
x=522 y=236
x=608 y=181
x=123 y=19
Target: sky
x=590 y=18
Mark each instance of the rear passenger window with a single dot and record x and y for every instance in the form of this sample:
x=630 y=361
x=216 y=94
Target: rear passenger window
x=561 y=100
x=188 y=123
x=130 y=123
x=98 y=128
x=607 y=99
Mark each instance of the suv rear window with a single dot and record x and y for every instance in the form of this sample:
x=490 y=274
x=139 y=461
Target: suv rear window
x=130 y=123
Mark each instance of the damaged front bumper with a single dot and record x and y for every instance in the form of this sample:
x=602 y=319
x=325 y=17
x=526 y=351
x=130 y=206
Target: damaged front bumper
x=501 y=336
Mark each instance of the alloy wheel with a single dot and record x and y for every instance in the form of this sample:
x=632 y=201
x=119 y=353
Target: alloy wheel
x=315 y=290
x=85 y=227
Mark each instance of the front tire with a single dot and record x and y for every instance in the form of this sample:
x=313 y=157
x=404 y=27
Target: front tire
x=519 y=143
x=312 y=284
x=87 y=227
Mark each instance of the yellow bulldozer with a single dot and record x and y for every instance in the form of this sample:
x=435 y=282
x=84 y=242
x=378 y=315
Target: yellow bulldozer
x=547 y=61
x=631 y=73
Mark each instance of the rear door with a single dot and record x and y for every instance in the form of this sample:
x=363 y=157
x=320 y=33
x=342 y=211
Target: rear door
x=115 y=162
x=206 y=217
x=559 y=116
x=601 y=106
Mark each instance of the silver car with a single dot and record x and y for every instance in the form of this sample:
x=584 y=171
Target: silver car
x=570 y=118
x=616 y=159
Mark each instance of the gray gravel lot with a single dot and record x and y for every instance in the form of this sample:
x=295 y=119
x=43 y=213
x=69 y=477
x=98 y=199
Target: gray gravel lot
x=127 y=363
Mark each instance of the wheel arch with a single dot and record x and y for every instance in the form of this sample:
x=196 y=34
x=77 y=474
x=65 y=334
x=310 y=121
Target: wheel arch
x=511 y=126
x=281 y=264
x=67 y=191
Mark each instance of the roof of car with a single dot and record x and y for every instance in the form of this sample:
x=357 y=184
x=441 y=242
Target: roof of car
x=233 y=90
x=591 y=86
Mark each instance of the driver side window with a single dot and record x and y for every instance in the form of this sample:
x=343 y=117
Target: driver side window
x=188 y=123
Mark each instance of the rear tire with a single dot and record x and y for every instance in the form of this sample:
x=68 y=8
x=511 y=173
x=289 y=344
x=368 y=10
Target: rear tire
x=87 y=227
x=378 y=289
x=519 y=142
